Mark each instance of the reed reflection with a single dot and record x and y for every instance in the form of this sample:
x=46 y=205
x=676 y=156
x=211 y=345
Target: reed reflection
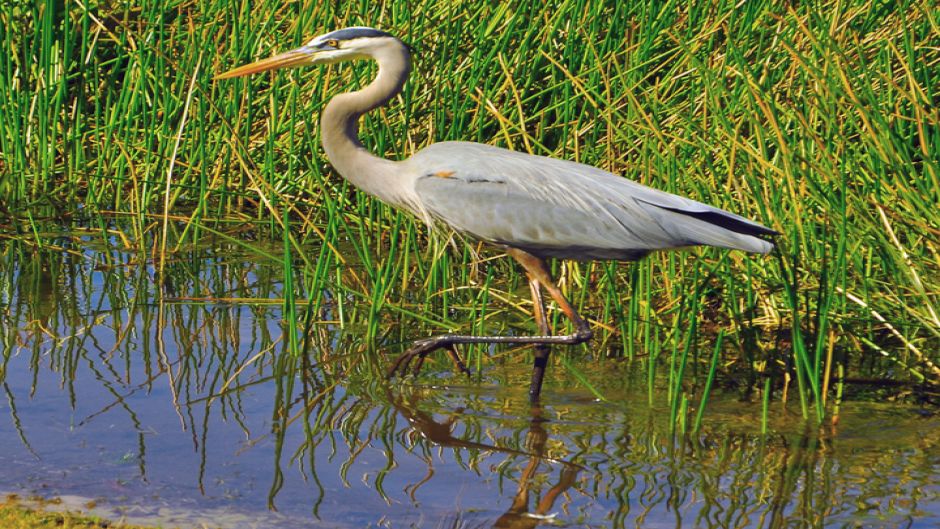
x=113 y=390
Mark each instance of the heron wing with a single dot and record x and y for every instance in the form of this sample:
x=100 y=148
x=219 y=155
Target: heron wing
x=565 y=209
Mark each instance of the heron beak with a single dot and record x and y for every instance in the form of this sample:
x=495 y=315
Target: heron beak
x=289 y=59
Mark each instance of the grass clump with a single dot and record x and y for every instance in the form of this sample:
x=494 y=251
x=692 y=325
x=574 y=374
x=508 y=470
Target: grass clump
x=15 y=515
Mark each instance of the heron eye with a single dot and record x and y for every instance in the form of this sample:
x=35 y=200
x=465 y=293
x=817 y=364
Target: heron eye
x=333 y=43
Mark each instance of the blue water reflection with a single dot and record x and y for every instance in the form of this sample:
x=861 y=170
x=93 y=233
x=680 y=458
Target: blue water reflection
x=175 y=401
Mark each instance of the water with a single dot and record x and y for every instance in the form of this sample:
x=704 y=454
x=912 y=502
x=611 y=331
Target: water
x=176 y=403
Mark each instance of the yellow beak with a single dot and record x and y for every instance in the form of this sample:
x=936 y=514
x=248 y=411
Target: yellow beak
x=288 y=59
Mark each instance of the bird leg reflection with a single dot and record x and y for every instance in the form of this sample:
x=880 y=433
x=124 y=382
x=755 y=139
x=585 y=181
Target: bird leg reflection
x=519 y=516
x=539 y=276
x=536 y=450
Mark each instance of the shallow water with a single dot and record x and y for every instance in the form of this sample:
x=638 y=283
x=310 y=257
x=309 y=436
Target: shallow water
x=175 y=402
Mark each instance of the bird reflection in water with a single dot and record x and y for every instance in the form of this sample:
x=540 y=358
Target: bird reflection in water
x=519 y=515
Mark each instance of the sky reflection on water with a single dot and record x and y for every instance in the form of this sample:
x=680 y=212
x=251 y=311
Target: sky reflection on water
x=184 y=409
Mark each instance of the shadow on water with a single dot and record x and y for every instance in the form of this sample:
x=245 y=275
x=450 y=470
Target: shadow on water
x=177 y=403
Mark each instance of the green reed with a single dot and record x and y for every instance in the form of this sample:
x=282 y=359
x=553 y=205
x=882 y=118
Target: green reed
x=816 y=120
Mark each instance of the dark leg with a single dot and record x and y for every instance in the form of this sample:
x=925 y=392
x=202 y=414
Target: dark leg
x=537 y=271
x=454 y=357
x=541 y=350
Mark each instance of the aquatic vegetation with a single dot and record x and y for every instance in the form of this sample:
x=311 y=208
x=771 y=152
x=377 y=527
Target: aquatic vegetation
x=189 y=407
x=15 y=515
x=817 y=120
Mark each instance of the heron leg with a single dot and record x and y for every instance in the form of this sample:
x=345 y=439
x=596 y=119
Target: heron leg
x=537 y=270
x=541 y=350
x=419 y=351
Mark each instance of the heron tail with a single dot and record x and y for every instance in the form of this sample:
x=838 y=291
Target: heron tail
x=705 y=225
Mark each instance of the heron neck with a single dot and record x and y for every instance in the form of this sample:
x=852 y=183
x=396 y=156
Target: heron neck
x=339 y=126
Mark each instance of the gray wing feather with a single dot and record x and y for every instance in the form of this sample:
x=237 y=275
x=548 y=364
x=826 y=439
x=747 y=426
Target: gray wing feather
x=557 y=208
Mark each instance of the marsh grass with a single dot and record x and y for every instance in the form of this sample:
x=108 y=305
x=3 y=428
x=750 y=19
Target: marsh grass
x=818 y=120
x=42 y=514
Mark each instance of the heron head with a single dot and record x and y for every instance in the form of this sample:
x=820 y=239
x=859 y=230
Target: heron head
x=335 y=46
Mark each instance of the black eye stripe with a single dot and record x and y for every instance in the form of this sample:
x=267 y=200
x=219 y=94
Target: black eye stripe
x=352 y=33
x=343 y=35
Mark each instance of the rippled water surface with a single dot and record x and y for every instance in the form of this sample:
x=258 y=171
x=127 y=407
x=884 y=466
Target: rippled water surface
x=175 y=401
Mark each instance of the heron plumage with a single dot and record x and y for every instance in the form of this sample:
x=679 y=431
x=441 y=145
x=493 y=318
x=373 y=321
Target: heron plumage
x=533 y=206
x=558 y=208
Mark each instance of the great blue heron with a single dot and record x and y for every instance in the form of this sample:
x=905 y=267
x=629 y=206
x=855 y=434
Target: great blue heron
x=533 y=207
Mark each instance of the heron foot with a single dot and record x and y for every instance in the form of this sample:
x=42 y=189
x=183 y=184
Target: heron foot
x=419 y=352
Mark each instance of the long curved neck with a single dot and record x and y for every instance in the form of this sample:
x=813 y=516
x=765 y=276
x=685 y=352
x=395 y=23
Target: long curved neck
x=339 y=126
